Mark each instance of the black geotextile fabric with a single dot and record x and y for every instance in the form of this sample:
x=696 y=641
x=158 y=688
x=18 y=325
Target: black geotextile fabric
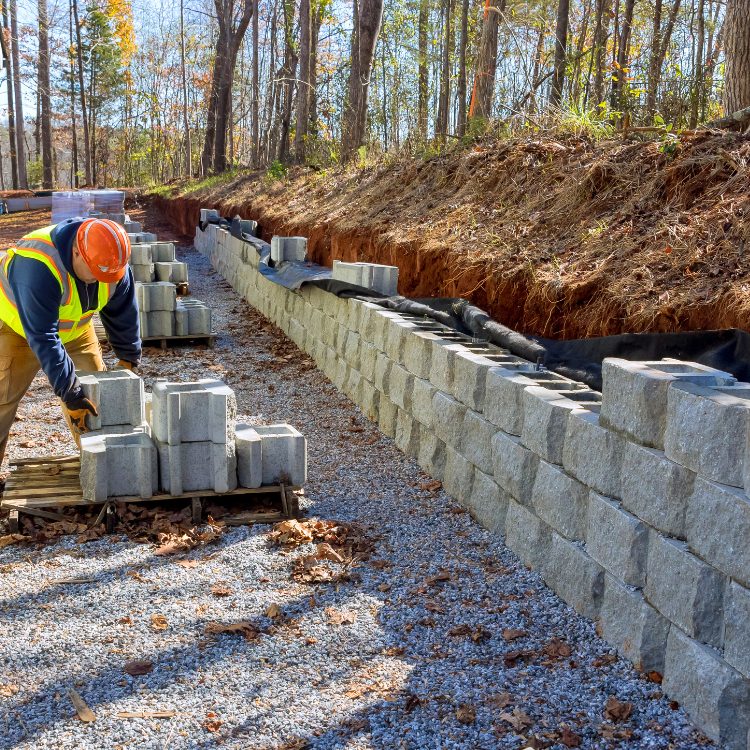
x=578 y=359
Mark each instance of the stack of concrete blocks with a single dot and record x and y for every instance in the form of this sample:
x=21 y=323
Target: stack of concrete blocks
x=166 y=265
x=163 y=314
x=208 y=213
x=383 y=279
x=288 y=249
x=142 y=263
x=633 y=504
x=118 y=458
x=270 y=455
x=132 y=227
x=193 y=425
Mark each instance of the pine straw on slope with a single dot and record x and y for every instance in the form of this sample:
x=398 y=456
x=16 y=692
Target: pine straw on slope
x=558 y=238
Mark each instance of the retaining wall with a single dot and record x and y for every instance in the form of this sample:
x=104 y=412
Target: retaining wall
x=629 y=503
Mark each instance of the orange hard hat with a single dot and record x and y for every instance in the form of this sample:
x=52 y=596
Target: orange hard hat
x=104 y=246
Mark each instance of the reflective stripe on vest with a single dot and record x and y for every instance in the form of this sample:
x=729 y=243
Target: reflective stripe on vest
x=72 y=320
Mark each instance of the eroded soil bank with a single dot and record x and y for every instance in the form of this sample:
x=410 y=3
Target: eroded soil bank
x=561 y=238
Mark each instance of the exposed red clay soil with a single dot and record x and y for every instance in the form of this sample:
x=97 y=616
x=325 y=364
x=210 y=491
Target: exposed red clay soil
x=565 y=239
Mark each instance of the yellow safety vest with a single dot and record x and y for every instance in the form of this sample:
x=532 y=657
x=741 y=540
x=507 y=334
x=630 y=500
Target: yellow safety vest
x=72 y=320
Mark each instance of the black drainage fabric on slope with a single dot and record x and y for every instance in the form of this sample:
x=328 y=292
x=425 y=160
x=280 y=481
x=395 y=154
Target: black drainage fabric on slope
x=578 y=359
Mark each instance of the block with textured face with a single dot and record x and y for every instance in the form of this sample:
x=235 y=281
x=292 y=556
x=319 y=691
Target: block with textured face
x=200 y=411
x=191 y=467
x=284 y=451
x=158 y=295
x=249 y=456
x=118 y=395
x=288 y=249
x=141 y=255
x=163 y=252
x=119 y=465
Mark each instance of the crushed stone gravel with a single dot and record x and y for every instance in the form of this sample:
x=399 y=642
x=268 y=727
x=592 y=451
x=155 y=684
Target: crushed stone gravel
x=441 y=639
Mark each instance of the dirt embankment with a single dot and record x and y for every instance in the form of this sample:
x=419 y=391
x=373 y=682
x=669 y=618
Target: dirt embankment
x=558 y=238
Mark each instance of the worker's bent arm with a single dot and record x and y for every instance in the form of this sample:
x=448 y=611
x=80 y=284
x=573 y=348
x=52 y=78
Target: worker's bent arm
x=38 y=297
x=120 y=319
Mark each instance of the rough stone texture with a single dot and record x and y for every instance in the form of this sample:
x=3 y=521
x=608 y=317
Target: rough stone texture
x=707 y=430
x=527 y=535
x=141 y=255
x=718 y=527
x=368 y=356
x=418 y=352
x=431 y=456
x=449 y=419
x=514 y=466
x=401 y=384
x=162 y=252
x=369 y=400
x=382 y=373
x=421 y=402
x=143 y=273
x=634 y=627
x=715 y=696
x=476 y=444
x=407 y=433
x=560 y=501
x=202 y=411
x=288 y=249
x=441 y=368
x=634 y=394
x=159 y=295
x=398 y=332
x=593 y=454
x=574 y=576
x=469 y=378
x=284 y=454
x=503 y=399
x=617 y=540
x=686 y=590
x=458 y=475
x=249 y=456
x=387 y=416
x=121 y=465
x=190 y=467
x=737 y=628
x=545 y=422
x=488 y=503
x=118 y=396
x=656 y=489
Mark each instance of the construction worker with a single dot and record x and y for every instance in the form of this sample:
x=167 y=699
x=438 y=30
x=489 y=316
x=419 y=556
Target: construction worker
x=51 y=284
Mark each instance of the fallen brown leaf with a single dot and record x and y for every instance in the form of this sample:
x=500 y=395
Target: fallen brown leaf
x=138 y=667
x=219 y=590
x=617 y=710
x=512 y=634
x=569 y=738
x=340 y=617
x=557 y=649
x=501 y=700
x=8 y=691
x=145 y=714
x=247 y=630
x=273 y=611
x=159 y=622
x=517 y=718
x=324 y=551
x=466 y=713
x=9 y=539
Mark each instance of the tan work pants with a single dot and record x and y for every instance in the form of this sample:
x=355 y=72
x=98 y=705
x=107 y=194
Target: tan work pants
x=19 y=366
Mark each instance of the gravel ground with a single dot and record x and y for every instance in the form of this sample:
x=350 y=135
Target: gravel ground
x=441 y=639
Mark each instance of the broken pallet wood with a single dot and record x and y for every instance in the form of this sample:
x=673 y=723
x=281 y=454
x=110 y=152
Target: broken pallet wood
x=164 y=341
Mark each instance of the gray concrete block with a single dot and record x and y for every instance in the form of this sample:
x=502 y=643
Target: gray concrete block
x=352 y=383
x=418 y=352
x=162 y=252
x=431 y=456
x=527 y=535
x=718 y=528
x=488 y=503
x=148 y=236
x=593 y=454
x=208 y=213
x=199 y=317
x=476 y=445
x=368 y=356
x=469 y=378
x=545 y=422
x=376 y=327
x=617 y=540
x=382 y=373
x=249 y=450
x=190 y=467
x=141 y=255
x=159 y=295
x=175 y=271
x=707 y=430
x=574 y=576
x=441 y=366
x=715 y=696
x=143 y=331
x=636 y=629
x=120 y=465
x=200 y=411
x=634 y=394
x=656 y=489
x=737 y=628
x=143 y=273
x=449 y=419
x=383 y=279
x=421 y=402
x=369 y=400
x=181 y=327
x=284 y=455
x=118 y=396
x=503 y=401
x=514 y=466
x=458 y=475
x=161 y=323
x=133 y=226
x=407 y=433
x=398 y=332
x=387 y=416
x=400 y=387
x=686 y=590
x=288 y=249
x=560 y=501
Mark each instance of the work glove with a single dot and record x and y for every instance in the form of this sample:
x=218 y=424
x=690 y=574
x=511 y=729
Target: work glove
x=125 y=364
x=78 y=410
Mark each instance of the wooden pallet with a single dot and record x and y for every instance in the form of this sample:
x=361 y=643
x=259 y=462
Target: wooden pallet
x=163 y=341
x=183 y=288
x=37 y=485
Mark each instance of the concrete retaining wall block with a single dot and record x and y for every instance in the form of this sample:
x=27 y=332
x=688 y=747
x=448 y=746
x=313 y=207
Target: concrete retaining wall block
x=387 y=416
x=560 y=501
x=288 y=249
x=441 y=366
x=514 y=466
x=503 y=400
x=476 y=444
x=407 y=434
x=190 y=467
x=737 y=628
x=159 y=295
x=400 y=387
x=527 y=535
x=545 y=422
x=488 y=503
x=118 y=395
x=249 y=456
x=284 y=451
x=449 y=419
x=421 y=402
x=458 y=475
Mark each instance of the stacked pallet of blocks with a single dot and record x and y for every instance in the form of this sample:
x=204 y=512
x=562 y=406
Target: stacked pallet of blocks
x=163 y=314
x=156 y=261
x=192 y=442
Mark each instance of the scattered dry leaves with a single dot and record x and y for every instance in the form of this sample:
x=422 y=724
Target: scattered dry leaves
x=617 y=710
x=517 y=718
x=211 y=723
x=512 y=634
x=340 y=617
x=466 y=713
x=159 y=622
x=220 y=590
x=246 y=629
x=138 y=667
x=569 y=738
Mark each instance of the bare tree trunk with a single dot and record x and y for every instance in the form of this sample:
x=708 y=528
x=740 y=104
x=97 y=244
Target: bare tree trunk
x=601 y=34
x=256 y=87
x=74 y=134
x=696 y=95
x=368 y=15
x=424 y=82
x=317 y=22
x=737 y=74
x=303 y=83
x=185 y=119
x=653 y=67
x=461 y=85
x=84 y=114
x=44 y=93
x=539 y=52
x=623 y=53
x=561 y=43
x=23 y=181
x=441 y=128
x=5 y=45
x=484 y=75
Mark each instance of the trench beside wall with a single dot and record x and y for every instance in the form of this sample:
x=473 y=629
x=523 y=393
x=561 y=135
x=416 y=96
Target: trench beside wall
x=657 y=550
